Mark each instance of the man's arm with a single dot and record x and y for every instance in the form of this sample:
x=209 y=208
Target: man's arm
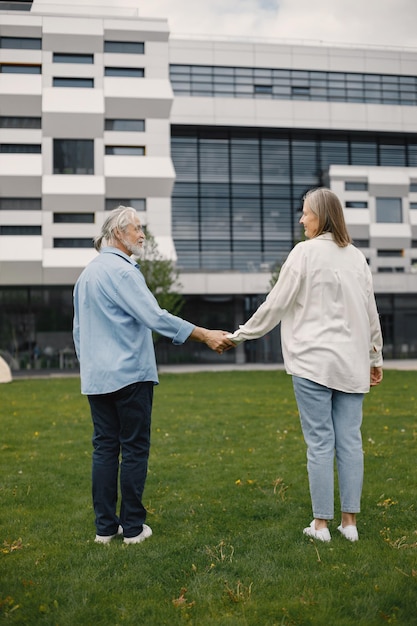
x=215 y=339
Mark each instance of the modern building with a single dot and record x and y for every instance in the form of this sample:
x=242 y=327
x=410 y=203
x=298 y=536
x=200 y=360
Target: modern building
x=215 y=143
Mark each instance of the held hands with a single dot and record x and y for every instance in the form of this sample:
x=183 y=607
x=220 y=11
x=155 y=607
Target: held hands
x=376 y=376
x=215 y=339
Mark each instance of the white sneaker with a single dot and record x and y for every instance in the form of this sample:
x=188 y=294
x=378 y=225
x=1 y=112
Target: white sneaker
x=322 y=535
x=146 y=532
x=349 y=532
x=108 y=538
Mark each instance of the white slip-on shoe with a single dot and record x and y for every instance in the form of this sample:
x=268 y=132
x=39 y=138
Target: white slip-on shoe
x=146 y=532
x=108 y=538
x=349 y=532
x=104 y=538
x=322 y=535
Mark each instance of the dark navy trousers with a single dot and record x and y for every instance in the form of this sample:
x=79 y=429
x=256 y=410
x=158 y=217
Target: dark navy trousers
x=121 y=441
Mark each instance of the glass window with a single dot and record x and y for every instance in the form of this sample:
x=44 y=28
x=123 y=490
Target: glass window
x=332 y=86
x=334 y=151
x=124 y=125
x=413 y=206
x=137 y=203
x=300 y=91
x=356 y=205
x=20 y=204
x=200 y=69
x=71 y=242
x=262 y=89
x=7 y=121
x=179 y=69
x=389 y=210
x=361 y=243
x=73 y=156
x=73 y=82
x=136 y=72
x=18 y=43
x=270 y=169
x=20 y=230
x=282 y=92
x=20 y=148
x=412 y=154
x=300 y=74
x=390 y=253
x=351 y=185
x=202 y=90
x=15 y=68
x=74 y=218
x=62 y=57
x=125 y=47
x=223 y=71
x=393 y=154
x=336 y=94
x=126 y=150
x=413 y=187
x=363 y=153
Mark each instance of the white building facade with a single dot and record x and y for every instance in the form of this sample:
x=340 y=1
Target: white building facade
x=215 y=143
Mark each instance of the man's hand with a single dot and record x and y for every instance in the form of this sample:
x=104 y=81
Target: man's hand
x=215 y=339
x=376 y=376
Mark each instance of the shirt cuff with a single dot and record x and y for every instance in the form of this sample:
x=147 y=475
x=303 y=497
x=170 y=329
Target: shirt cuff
x=183 y=333
x=235 y=338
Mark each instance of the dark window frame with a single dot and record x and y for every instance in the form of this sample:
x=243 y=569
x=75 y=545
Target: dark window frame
x=20 y=148
x=73 y=57
x=125 y=150
x=20 y=121
x=21 y=230
x=124 y=72
x=73 y=218
x=34 y=43
x=69 y=153
x=33 y=69
x=67 y=82
x=137 y=203
x=27 y=204
x=122 y=47
x=110 y=124
x=72 y=243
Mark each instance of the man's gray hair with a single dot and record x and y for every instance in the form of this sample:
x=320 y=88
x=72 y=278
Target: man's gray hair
x=118 y=219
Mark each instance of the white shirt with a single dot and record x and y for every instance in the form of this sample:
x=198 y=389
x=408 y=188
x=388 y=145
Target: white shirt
x=330 y=330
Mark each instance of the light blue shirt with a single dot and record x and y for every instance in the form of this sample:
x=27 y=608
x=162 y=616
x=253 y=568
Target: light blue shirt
x=114 y=316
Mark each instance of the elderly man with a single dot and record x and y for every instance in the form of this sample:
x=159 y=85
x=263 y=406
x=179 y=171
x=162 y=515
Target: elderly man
x=114 y=316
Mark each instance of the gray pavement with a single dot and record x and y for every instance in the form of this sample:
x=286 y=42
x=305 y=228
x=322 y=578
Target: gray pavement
x=400 y=364
x=394 y=364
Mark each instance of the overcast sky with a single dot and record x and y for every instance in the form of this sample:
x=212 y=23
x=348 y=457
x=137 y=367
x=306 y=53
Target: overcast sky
x=380 y=22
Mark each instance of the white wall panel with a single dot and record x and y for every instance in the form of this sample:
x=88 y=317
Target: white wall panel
x=21 y=248
x=20 y=165
x=67 y=257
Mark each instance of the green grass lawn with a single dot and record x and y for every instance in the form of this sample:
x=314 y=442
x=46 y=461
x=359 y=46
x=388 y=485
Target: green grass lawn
x=227 y=496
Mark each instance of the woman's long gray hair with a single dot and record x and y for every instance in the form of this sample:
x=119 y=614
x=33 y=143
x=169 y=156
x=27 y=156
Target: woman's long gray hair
x=118 y=219
x=328 y=208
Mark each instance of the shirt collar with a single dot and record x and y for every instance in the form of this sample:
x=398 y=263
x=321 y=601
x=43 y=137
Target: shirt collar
x=111 y=250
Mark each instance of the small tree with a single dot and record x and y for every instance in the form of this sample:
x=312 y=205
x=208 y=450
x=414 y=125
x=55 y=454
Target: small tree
x=276 y=268
x=162 y=277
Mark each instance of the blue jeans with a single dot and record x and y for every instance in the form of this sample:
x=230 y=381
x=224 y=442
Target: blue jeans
x=331 y=421
x=122 y=425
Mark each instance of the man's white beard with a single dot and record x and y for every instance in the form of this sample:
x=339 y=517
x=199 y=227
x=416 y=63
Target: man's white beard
x=135 y=249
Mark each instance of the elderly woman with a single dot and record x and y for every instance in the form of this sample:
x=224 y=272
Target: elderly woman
x=332 y=347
